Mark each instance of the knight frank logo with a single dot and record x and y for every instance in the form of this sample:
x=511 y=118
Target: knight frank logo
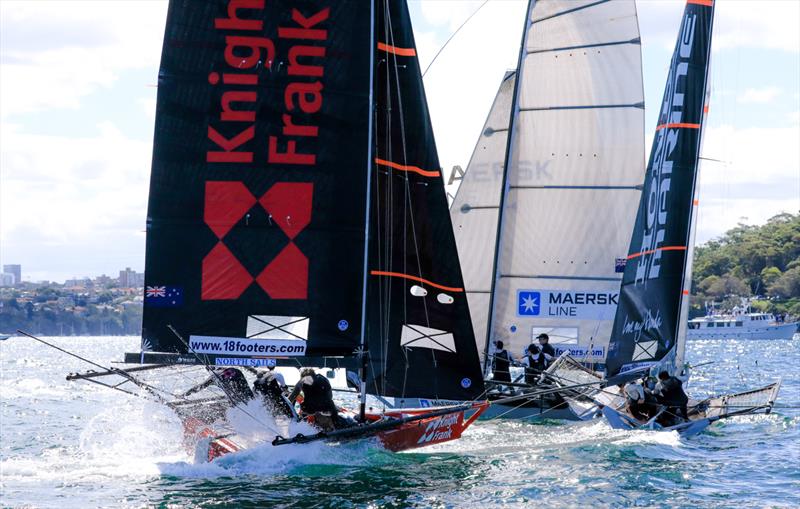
x=286 y=275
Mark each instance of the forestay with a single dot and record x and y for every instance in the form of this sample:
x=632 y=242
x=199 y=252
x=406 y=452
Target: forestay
x=573 y=177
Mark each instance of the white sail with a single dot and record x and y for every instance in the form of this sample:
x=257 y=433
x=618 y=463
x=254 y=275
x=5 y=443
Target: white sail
x=573 y=179
x=474 y=209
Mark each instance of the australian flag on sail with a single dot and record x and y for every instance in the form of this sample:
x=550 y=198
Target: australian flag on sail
x=163 y=296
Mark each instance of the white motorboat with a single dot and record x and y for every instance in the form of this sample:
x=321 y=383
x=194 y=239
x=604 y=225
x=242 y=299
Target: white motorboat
x=740 y=325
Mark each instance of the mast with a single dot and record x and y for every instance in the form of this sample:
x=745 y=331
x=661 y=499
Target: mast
x=370 y=141
x=504 y=186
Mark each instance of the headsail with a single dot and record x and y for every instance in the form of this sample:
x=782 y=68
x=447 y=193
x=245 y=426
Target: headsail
x=256 y=219
x=655 y=282
x=475 y=207
x=418 y=323
x=574 y=167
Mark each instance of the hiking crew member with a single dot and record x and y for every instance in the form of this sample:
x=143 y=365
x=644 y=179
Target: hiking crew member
x=548 y=352
x=635 y=401
x=534 y=364
x=501 y=363
x=268 y=385
x=669 y=392
x=232 y=382
x=317 y=393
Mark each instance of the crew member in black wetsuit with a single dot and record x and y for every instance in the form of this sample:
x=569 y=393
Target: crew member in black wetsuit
x=501 y=363
x=317 y=393
x=547 y=350
x=669 y=392
x=232 y=381
x=534 y=365
x=268 y=385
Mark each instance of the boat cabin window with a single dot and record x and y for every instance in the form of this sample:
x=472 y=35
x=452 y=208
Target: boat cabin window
x=738 y=324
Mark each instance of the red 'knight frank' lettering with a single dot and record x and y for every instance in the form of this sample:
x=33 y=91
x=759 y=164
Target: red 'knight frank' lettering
x=301 y=95
x=242 y=53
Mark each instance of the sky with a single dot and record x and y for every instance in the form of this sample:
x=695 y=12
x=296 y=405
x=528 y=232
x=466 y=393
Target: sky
x=77 y=107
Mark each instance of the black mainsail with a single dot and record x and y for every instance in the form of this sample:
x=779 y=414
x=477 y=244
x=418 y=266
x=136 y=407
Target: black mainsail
x=415 y=291
x=647 y=323
x=296 y=205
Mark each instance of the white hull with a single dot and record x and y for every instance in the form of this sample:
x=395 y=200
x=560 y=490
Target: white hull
x=783 y=331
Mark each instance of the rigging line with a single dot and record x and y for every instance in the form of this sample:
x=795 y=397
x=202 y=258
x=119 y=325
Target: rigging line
x=407 y=206
x=221 y=385
x=451 y=37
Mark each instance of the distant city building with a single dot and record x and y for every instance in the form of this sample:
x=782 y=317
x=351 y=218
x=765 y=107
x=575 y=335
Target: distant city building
x=14 y=269
x=130 y=278
x=7 y=279
x=102 y=280
x=83 y=282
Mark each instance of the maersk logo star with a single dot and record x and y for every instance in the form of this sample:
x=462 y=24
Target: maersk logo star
x=528 y=303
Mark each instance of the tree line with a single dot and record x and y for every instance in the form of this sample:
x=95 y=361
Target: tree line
x=751 y=261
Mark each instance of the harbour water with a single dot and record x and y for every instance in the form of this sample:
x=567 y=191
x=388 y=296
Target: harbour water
x=73 y=444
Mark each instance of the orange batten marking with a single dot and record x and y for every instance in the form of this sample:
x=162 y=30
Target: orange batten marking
x=705 y=108
x=707 y=3
x=403 y=52
x=679 y=125
x=685 y=292
x=402 y=167
x=651 y=251
x=415 y=278
x=696 y=202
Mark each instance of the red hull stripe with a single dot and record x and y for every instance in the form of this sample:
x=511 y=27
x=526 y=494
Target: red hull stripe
x=403 y=52
x=415 y=278
x=678 y=126
x=401 y=167
x=651 y=251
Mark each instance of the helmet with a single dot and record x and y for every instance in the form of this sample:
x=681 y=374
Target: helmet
x=229 y=373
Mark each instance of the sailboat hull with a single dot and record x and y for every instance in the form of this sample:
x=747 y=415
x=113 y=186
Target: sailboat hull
x=208 y=444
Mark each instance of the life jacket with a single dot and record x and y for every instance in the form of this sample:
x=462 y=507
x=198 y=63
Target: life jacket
x=502 y=363
x=534 y=368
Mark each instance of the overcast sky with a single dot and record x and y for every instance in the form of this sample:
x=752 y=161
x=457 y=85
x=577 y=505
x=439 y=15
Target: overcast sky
x=77 y=105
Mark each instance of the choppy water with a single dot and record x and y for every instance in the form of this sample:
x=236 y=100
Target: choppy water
x=67 y=444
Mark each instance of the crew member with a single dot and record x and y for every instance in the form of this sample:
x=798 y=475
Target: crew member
x=232 y=382
x=501 y=363
x=669 y=392
x=317 y=394
x=546 y=348
x=635 y=401
x=534 y=364
x=268 y=385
